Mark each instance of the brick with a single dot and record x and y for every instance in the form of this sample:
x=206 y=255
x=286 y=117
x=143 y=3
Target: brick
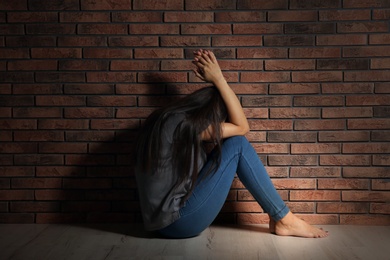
x=5 y=89
x=249 y=88
x=54 y=5
x=342 y=207
x=292 y=16
x=256 y=112
x=382 y=112
x=380 y=136
x=62 y=124
x=5 y=112
x=18 y=124
x=309 y=28
x=104 y=53
x=318 y=101
x=111 y=77
x=106 y=5
x=158 y=5
x=114 y=124
x=133 y=41
x=380 y=63
x=14 y=5
x=38 y=135
x=344 y=88
x=162 y=77
x=84 y=17
x=366 y=51
x=167 y=41
x=258 y=28
x=6 y=160
x=362 y=27
x=262 y=53
x=89 y=89
x=31 y=89
x=367 y=3
x=11 y=29
x=134 y=65
x=315 y=148
x=56 y=53
x=208 y=29
x=77 y=41
x=252 y=218
x=14 y=53
x=294 y=184
x=210 y=5
x=85 y=206
x=30 y=41
x=73 y=159
x=317 y=76
x=375 y=124
x=342 y=39
x=14 y=171
x=277 y=172
x=16 y=77
x=34 y=206
x=315 y=195
x=48 y=28
x=13 y=100
x=381 y=160
x=36 y=183
x=290 y=64
x=160 y=53
x=301 y=207
x=32 y=17
x=368 y=100
x=60 y=171
x=262 y=4
x=237 y=41
x=380 y=185
x=89 y=112
x=317 y=4
x=38 y=159
x=343 y=184
x=240 y=16
x=315 y=172
x=381 y=14
x=377 y=196
x=83 y=65
x=380 y=208
x=32 y=65
x=188 y=17
x=267 y=101
x=60 y=100
x=62 y=148
x=292 y=160
x=366 y=172
x=318 y=52
x=129 y=89
x=102 y=29
x=344 y=15
x=346 y=112
x=265 y=76
x=291 y=137
x=382 y=87
x=295 y=112
x=345 y=160
x=114 y=101
x=363 y=148
x=145 y=16
x=271 y=148
x=345 y=64
x=294 y=88
x=155 y=29
x=324 y=124
x=270 y=125
x=18 y=148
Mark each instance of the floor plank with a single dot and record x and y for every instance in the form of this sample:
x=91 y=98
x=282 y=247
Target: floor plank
x=117 y=241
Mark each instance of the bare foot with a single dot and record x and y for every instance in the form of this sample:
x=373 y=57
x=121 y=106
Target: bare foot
x=291 y=225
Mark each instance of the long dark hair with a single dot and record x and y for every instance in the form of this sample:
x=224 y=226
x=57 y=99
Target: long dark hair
x=203 y=109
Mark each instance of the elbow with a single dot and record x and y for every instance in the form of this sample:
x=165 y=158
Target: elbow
x=245 y=129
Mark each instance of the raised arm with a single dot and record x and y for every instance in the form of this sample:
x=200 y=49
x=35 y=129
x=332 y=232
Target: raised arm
x=209 y=70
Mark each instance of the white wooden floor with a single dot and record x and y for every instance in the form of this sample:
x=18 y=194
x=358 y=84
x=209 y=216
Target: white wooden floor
x=127 y=241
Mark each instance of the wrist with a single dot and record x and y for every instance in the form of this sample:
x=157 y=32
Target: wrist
x=219 y=81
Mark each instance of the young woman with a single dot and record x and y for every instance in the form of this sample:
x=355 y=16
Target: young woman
x=181 y=188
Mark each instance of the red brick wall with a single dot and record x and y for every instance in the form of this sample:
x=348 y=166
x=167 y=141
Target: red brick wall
x=77 y=77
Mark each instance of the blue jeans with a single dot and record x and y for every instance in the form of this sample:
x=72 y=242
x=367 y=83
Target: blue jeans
x=209 y=194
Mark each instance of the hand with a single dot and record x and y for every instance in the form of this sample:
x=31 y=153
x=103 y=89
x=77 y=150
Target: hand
x=207 y=66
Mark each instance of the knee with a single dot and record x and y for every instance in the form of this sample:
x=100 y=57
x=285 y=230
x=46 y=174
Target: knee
x=238 y=141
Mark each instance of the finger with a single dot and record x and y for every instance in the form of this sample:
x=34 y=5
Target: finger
x=201 y=60
x=197 y=74
x=212 y=57
x=197 y=63
x=205 y=55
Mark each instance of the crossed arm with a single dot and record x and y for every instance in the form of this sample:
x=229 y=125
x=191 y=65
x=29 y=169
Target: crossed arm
x=208 y=70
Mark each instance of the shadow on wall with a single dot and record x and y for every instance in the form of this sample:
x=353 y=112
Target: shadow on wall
x=101 y=187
